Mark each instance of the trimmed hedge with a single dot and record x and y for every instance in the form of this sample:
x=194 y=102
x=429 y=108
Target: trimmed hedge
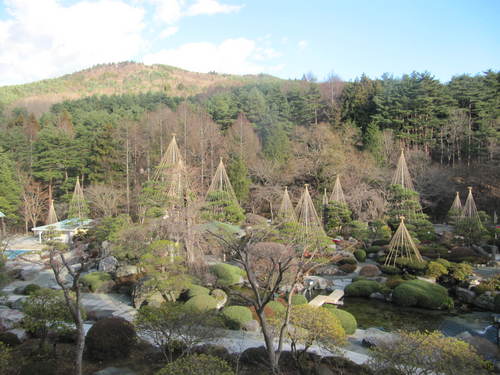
x=110 y=338
x=360 y=255
x=227 y=274
x=196 y=364
x=95 y=280
x=237 y=316
x=362 y=288
x=423 y=294
x=201 y=303
x=9 y=339
x=394 y=281
x=299 y=299
x=373 y=249
x=347 y=320
x=197 y=290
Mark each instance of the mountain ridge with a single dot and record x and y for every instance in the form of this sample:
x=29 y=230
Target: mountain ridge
x=115 y=79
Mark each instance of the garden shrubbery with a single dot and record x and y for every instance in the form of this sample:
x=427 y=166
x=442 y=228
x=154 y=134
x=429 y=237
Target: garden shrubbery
x=197 y=290
x=227 y=274
x=9 y=339
x=236 y=316
x=411 y=266
x=347 y=320
x=299 y=299
x=95 y=280
x=31 y=288
x=360 y=255
x=362 y=288
x=423 y=294
x=349 y=260
x=196 y=364
x=201 y=303
x=276 y=307
x=390 y=270
x=110 y=338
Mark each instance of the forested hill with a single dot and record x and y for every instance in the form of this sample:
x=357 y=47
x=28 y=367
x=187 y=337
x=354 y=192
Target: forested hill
x=270 y=132
x=116 y=79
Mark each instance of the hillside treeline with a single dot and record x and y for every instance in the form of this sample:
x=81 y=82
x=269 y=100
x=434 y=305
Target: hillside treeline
x=270 y=135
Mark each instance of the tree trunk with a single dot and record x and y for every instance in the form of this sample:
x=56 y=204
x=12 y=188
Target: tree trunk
x=80 y=342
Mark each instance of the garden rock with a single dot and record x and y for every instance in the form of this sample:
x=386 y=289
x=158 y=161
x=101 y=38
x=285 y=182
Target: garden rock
x=375 y=336
x=142 y=293
x=485 y=301
x=108 y=264
x=220 y=296
x=370 y=270
x=9 y=318
x=465 y=295
x=378 y=295
x=251 y=326
x=328 y=270
x=115 y=371
x=21 y=334
x=30 y=272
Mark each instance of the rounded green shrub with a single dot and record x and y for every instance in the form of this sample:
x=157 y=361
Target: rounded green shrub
x=348 y=268
x=346 y=261
x=95 y=280
x=219 y=295
x=299 y=299
x=435 y=269
x=390 y=270
x=347 y=320
x=411 y=266
x=237 y=316
x=31 y=288
x=276 y=307
x=227 y=274
x=373 y=249
x=362 y=288
x=394 y=281
x=201 y=303
x=197 y=290
x=196 y=364
x=110 y=338
x=360 y=255
x=423 y=294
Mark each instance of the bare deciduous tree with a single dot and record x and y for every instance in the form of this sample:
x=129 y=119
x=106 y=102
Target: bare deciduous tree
x=105 y=200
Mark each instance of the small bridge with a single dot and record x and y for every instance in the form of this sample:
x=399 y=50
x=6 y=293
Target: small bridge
x=333 y=298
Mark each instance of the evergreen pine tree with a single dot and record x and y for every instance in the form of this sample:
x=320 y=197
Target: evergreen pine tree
x=10 y=188
x=238 y=175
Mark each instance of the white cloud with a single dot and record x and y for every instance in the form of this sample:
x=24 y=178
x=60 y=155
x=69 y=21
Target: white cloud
x=169 y=31
x=302 y=44
x=211 y=7
x=171 y=11
x=236 y=56
x=44 y=39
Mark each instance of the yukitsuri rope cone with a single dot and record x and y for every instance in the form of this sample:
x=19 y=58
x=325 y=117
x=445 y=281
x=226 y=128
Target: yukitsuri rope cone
x=402 y=175
x=470 y=211
x=170 y=159
x=338 y=192
x=286 y=213
x=78 y=208
x=402 y=245
x=51 y=216
x=221 y=188
x=456 y=211
x=310 y=227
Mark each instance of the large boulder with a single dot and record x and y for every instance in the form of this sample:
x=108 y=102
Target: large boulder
x=20 y=333
x=10 y=318
x=465 y=295
x=144 y=294
x=108 y=264
x=374 y=337
x=30 y=271
x=370 y=270
x=485 y=301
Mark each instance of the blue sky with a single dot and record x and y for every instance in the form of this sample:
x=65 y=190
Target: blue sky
x=47 y=38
